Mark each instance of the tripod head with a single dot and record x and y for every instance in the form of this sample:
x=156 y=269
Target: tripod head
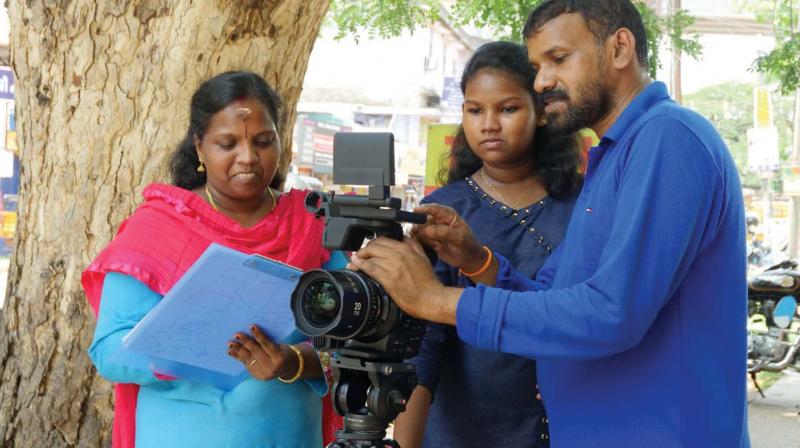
x=370 y=394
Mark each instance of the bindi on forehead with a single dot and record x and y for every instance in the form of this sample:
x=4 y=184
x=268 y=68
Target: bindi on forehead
x=244 y=113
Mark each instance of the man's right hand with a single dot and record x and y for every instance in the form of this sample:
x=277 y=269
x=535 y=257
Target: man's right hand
x=450 y=236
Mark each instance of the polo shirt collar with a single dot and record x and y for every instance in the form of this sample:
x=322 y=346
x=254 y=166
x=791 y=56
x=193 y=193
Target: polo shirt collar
x=652 y=94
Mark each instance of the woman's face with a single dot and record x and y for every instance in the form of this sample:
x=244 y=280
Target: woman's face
x=241 y=150
x=499 y=118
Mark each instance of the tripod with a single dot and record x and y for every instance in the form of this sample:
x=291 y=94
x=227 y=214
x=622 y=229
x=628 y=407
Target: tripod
x=369 y=394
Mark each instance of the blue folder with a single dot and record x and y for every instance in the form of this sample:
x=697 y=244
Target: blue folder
x=223 y=292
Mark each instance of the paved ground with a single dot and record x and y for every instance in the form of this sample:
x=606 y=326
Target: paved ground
x=775 y=419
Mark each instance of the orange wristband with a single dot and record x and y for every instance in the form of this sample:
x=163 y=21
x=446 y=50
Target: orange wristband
x=483 y=268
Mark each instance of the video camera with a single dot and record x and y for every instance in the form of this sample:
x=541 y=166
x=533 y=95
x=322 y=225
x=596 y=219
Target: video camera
x=350 y=314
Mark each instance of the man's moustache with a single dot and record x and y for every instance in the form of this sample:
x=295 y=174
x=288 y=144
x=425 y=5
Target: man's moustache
x=553 y=95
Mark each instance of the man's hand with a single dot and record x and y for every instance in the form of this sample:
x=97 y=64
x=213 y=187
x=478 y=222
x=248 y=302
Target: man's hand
x=406 y=274
x=450 y=236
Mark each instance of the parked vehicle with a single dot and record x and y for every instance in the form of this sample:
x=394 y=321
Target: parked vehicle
x=773 y=342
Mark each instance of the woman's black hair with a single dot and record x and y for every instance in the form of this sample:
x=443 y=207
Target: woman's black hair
x=212 y=96
x=556 y=157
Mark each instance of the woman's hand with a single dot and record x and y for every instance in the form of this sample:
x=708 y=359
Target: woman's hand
x=264 y=359
x=450 y=236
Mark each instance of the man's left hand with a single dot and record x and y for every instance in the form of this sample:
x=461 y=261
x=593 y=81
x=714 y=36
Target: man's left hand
x=407 y=276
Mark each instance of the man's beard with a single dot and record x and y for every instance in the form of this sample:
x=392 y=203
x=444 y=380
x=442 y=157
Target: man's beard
x=595 y=105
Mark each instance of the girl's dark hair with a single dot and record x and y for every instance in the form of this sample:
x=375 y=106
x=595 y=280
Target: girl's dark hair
x=212 y=96
x=556 y=157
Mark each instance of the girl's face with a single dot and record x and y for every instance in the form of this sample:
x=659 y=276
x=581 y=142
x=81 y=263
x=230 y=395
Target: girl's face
x=499 y=118
x=240 y=150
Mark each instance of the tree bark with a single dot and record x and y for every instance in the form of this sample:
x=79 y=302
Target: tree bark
x=102 y=95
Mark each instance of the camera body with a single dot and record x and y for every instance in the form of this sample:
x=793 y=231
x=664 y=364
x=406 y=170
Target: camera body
x=347 y=311
x=350 y=314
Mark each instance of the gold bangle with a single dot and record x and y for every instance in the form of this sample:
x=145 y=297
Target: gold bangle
x=300 y=366
x=483 y=268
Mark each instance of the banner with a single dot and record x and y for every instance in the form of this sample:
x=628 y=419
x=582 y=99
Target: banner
x=6 y=84
x=440 y=138
x=11 y=128
x=452 y=98
x=762 y=149
x=314 y=143
x=762 y=107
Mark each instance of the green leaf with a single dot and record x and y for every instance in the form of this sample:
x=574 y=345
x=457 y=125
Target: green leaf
x=783 y=62
x=503 y=18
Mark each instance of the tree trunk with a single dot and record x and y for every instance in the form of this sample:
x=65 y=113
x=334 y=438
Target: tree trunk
x=102 y=95
x=794 y=220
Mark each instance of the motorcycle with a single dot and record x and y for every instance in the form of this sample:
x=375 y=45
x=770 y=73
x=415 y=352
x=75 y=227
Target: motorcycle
x=773 y=342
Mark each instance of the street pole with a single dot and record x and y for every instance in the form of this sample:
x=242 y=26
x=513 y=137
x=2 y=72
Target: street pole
x=767 y=208
x=794 y=222
x=677 y=88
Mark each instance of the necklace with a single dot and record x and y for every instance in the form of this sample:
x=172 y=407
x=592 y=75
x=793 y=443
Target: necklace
x=497 y=193
x=214 y=205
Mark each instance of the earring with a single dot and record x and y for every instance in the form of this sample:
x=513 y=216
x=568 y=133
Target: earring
x=542 y=121
x=201 y=168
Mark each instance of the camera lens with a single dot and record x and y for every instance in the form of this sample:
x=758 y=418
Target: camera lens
x=341 y=304
x=321 y=302
x=349 y=312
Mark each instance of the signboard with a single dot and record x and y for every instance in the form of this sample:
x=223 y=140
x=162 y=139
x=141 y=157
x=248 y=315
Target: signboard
x=791 y=180
x=6 y=163
x=11 y=128
x=440 y=138
x=6 y=83
x=315 y=144
x=452 y=98
x=322 y=142
x=762 y=149
x=762 y=107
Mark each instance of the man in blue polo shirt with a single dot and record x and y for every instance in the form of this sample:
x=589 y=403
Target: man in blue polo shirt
x=638 y=319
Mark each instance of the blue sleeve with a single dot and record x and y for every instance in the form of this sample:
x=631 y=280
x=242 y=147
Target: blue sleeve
x=546 y=274
x=664 y=204
x=509 y=279
x=124 y=302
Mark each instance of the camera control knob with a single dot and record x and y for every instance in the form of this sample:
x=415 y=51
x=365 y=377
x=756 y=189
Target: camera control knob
x=396 y=402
